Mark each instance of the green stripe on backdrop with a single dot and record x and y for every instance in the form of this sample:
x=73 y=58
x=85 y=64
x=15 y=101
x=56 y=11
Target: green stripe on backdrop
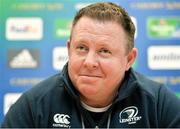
x=178 y=94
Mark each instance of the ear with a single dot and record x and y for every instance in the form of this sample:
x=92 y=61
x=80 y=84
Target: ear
x=68 y=47
x=131 y=58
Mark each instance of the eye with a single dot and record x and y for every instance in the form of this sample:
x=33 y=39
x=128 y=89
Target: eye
x=105 y=51
x=82 y=48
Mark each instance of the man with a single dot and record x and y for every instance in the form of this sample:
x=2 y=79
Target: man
x=97 y=87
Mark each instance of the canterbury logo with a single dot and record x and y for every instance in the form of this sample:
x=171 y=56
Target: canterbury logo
x=61 y=119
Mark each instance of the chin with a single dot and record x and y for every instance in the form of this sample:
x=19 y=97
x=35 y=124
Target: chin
x=88 y=90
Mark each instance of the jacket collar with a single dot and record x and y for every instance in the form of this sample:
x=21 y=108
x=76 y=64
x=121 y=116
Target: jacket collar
x=68 y=83
x=128 y=86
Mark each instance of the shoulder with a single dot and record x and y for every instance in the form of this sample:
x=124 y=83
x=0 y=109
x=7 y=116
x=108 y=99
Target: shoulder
x=149 y=87
x=34 y=103
x=157 y=92
x=165 y=101
x=39 y=96
x=45 y=88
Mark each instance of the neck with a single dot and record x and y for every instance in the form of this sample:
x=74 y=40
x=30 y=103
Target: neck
x=93 y=109
x=98 y=101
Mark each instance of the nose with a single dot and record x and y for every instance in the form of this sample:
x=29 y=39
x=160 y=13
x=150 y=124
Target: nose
x=91 y=61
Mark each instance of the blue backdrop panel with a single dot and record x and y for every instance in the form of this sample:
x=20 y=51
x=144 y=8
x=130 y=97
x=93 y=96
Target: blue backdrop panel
x=33 y=36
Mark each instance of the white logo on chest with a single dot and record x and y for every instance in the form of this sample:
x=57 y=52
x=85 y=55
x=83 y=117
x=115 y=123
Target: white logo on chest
x=129 y=115
x=61 y=120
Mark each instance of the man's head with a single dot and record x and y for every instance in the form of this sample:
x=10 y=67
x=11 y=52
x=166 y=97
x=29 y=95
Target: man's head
x=107 y=11
x=98 y=56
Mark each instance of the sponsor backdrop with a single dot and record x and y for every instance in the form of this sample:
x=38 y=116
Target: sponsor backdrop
x=33 y=35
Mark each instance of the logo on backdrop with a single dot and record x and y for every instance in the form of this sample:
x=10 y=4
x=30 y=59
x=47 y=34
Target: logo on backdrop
x=63 y=28
x=23 y=58
x=9 y=99
x=20 y=28
x=164 y=57
x=61 y=120
x=163 y=27
x=129 y=115
x=135 y=24
x=60 y=57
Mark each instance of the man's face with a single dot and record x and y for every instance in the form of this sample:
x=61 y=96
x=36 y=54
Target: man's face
x=97 y=59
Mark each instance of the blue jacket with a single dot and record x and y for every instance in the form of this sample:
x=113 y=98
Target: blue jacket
x=54 y=103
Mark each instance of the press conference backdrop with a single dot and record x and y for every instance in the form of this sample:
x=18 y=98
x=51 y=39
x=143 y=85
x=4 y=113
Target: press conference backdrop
x=33 y=36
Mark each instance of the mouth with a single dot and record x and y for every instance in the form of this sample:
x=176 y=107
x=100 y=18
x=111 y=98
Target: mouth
x=87 y=75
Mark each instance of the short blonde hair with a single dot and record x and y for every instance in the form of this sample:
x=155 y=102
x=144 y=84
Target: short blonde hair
x=108 y=11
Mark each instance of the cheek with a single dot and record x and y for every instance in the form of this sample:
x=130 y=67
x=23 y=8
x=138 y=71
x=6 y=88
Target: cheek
x=114 y=69
x=74 y=64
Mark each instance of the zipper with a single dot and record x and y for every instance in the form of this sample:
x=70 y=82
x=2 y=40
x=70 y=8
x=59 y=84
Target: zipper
x=97 y=127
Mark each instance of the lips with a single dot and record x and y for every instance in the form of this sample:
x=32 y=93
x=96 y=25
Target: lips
x=91 y=75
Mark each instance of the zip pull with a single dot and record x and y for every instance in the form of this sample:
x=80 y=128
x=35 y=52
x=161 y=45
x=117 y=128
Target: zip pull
x=96 y=127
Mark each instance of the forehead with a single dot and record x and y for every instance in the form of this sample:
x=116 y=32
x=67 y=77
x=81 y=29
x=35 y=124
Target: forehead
x=104 y=30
